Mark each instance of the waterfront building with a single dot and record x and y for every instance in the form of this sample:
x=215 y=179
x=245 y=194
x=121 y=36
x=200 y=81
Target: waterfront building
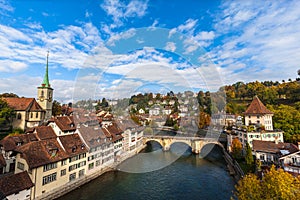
x=75 y=165
x=100 y=149
x=15 y=186
x=133 y=134
x=114 y=134
x=270 y=152
x=291 y=162
x=45 y=162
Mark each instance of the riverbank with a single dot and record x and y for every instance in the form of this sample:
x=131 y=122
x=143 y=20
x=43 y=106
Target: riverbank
x=56 y=193
x=233 y=167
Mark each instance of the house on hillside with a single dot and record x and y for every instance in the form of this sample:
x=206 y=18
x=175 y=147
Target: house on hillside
x=259 y=126
x=269 y=152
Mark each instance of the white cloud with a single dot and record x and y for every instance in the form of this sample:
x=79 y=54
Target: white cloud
x=11 y=66
x=120 y=11
x=120 y=36
x=68 y=46
x=263 y=40
x=170 y=46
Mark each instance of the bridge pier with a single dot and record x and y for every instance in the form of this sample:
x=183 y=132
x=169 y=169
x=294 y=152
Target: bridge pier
x=166 y=148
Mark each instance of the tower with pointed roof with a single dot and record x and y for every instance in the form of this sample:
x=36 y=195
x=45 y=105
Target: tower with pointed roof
x=45 y=94
x=258 y=114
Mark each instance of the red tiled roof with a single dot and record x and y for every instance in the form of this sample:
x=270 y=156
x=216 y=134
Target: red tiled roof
x=42 y=152
x=72 y=144
x=272 y=147
x=23 y=104
x=65 y=123
x=10 y=143
x=257 y=107
x=15 y=183
x=113 y=131
x=93 y=135
x=45 y=132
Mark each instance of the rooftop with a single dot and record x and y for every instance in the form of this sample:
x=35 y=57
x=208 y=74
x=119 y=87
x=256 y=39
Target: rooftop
x=257 y=107
x=272 y=147
x=15 y=183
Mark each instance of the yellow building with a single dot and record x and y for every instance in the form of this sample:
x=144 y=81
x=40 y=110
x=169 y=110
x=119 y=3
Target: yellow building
x=31 y=112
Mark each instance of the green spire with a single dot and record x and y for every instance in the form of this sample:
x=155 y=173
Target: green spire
x=46 y=78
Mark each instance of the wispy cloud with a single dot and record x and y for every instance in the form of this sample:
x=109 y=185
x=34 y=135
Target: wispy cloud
x=194 y=39
x=120 y=11
x=264 y=38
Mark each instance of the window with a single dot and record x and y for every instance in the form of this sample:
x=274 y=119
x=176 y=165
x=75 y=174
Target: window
x=98 y=162
x=50 y=166
x=63 y=162
x=81 y=173
x=50 y=178
x=20 y=166
x=36 y=115
x=63 y=172
x=262 y=157
x=42 y=93
x=91 y=166
x=72 y=177
x=31 y=115
x=19 y=116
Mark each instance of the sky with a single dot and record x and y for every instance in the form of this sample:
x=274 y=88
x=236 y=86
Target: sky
x=115 y=49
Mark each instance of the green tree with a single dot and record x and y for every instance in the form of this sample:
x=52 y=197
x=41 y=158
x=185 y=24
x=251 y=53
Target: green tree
x=6 y=114
x=248 y=157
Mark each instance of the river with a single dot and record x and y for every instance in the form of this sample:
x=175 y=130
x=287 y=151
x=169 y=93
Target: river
x=189 y=177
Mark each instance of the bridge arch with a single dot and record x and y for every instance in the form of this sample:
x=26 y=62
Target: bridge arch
x=208 y=146
x=159 y=141
x=180 y=141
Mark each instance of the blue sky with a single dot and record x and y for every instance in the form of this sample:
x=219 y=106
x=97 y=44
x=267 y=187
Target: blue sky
x=118 y=48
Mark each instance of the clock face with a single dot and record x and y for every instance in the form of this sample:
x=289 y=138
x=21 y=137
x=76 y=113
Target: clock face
x=41 y=99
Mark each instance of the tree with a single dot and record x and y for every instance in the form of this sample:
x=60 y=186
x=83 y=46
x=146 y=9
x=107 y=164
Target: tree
x=236 y=148
x=248 y=188
x=248 y=157
x=276 y=184
x=56 y=108
x=6 y=114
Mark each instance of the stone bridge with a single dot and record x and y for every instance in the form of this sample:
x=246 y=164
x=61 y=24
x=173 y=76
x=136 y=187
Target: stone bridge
x=196 y=143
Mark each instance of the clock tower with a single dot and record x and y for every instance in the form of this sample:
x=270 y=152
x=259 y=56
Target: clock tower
x=45 y=95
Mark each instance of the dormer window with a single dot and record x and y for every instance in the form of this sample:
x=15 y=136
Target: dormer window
x=74 y=149
x=82 y=146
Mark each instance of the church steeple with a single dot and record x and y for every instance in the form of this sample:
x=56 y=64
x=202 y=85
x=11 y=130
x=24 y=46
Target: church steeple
x=45 y=94
x=46 y=77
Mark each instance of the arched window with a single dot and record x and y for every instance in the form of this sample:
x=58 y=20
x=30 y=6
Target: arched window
x=31 y=115
x=19 y=116
x=42 y=93
x=36 y=115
